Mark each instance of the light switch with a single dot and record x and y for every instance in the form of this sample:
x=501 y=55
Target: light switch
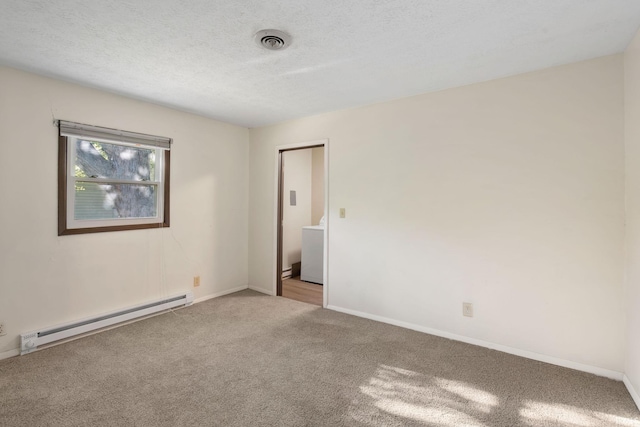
x=343 y=212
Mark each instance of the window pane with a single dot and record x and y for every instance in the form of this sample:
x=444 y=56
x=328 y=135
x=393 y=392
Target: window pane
x=102 y=201
x=103 y=160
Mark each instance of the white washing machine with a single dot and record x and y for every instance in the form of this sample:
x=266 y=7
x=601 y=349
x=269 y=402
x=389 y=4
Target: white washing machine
x=312 y=254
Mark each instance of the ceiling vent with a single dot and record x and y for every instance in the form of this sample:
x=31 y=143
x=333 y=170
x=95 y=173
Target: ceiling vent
x=273 y=39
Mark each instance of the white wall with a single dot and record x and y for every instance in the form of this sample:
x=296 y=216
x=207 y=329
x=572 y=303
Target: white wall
x=507 y=194
x=632 y=146
x=317 y=184
x=46 y=279
x=297 y=177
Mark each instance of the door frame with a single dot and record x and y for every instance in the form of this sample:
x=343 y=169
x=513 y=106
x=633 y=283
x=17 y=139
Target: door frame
x=278 y=214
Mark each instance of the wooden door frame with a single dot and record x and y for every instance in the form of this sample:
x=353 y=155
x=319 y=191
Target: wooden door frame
x=279 y=199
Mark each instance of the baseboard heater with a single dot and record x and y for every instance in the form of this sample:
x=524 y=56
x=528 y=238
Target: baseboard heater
x=286 y=273
x=30 y=341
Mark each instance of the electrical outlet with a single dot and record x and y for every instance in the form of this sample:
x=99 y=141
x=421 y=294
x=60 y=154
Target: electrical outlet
x=196 y=281
x=3 y=330
x=467 y=309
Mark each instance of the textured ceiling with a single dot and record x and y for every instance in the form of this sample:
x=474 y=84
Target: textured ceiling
x=199 y=55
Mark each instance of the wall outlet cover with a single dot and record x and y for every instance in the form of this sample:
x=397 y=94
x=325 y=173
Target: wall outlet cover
x=467 y=309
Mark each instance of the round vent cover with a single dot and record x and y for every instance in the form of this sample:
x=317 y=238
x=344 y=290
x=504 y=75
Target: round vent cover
x=273 y=39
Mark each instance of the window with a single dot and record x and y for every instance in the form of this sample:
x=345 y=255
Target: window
x=111 y=180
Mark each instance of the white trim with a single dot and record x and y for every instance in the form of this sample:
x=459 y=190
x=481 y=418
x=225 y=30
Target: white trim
x=632 y=391
x=325 y=259
x=159 y=183
x=503 y=348
x=309 y=144
x=220 y=294
x=10 y=353
x=262 y=291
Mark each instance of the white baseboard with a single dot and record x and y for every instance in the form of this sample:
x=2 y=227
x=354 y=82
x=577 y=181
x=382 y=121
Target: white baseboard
x=10 y=353
x=503 y=348
x=220 y=294
x=262 y=291
x=632 y=391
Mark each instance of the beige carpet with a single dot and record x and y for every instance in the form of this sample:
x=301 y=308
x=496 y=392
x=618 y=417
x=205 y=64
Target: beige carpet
x=253 y=360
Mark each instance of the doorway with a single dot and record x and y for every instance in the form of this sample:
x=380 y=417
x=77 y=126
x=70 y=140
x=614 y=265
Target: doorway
x=301 y=223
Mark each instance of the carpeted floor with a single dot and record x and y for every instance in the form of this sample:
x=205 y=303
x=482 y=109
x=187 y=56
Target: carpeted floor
x=252 y=360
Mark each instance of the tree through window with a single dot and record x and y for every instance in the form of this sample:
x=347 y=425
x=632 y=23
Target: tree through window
x=113 y=180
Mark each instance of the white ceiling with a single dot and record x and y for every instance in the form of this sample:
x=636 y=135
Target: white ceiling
x=199 y=55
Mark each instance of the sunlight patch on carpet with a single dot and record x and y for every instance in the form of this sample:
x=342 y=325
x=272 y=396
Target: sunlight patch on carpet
x=394 y=394
x=535 y=413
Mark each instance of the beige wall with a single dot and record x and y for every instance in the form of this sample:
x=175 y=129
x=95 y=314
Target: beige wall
x=506 y=194
x=46 y=279
x=632 y=146
x=297 y=177
x=317 y=185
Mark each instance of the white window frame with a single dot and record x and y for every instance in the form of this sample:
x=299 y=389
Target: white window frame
x=71 y=132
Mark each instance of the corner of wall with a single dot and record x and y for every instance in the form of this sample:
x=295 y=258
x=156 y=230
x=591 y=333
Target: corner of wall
x=632 y=391
x=632 y=224
x=262 y=290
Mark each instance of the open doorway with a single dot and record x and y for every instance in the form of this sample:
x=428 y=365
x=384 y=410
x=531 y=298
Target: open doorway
x=302 y=225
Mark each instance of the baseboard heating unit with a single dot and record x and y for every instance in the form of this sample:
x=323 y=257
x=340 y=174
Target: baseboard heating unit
x=30 y=341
